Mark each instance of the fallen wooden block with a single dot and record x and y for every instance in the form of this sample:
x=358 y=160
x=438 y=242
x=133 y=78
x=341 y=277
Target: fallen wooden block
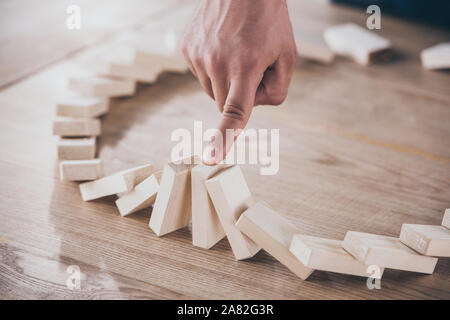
x=76 y=127
x=327 y=255
x=388 y=252
x=172 y=209
x=80 y=170
x=141 y=197
x=446 y=220
x=312 y=48
x=436 y=57
x=140 y=73
x=427 y=240
x=169 y=63
x=76 y=149
x=273 y=233
x=206 y=227
x=82 y=107
x=123 y=181
x=102 y=87
x=358 y=43
x=231 y=197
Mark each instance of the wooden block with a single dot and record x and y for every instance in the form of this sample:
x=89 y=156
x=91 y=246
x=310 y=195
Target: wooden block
x=140 y=73
x=169 y=63
x=315 y=49
x=387 y=252
x=427 y=240
x=231 y=197
x=123 y=181
x=273 y=233
x=172 y=208
x=436 y=57
x=206 y=227
x=82 y=107
x=102 y=87
x=327 y=255
x=142 y=196
x=76 y=149
x=76 y=127
x=80 y=170
x=446 y=220
x=351 y=40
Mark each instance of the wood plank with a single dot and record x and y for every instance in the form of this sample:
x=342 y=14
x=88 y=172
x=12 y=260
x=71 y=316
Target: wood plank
x=76 y=127
x=102 y=87
x=437 y=57
x=81 y=170
x=446 y=219
x=82 y=107
x=76 y=149
x=427 y=240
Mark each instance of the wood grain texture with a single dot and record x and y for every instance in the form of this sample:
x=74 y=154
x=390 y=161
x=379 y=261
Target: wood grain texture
x=363 y=149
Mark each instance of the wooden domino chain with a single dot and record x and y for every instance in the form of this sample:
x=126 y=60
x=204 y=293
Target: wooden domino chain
x=427 y=239
x=436 y=57
x=81 y=170
x=76 y=149
x=82 y=107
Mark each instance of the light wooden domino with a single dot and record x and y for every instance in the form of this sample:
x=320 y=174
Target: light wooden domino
x=141 y=73
x=314 y=48
x=123 y=181
x=446 y=219
x=102 y=87
x=172 y=209
x=327 y=255
x=76 y=149
x=352 y=40
x=82 y=107
x=76 y=127
x=170 y=63
x=436 y=57
x=427 y=240
x=81 y=170
x=273 y=233
x=231 y=197
x=141 y=197
x=206 y=227
x=387 y=252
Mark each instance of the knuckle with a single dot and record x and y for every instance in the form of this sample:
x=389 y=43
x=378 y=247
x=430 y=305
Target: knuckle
x=212 y=61
x=235 y=112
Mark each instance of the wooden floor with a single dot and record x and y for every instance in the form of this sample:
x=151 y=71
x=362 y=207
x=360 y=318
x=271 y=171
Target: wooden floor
x=362 y=148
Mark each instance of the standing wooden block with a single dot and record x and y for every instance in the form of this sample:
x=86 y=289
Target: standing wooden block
x=231 y=197
x=327 y=255
x=80 y=170
x=142 y=196
x=82 y=107
x=123 y=181
x=351 y=40
x=169 y=63
x=427 y=240
x=76 y=127
x=436 y=57
x=172 y=209
x=388 y=252
x=315 y=49
x=141 y=73
x=446 y=220
x=102 y=87
x=206 y=227
x=274 y=234
x=76 y=149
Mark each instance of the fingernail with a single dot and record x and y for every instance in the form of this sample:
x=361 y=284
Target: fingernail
x=209 y=157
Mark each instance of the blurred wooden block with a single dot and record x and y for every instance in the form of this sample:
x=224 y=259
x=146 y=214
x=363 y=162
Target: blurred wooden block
x=388 y=252
x=172 y=209
x=446 y=220
x=76 y=149
x=169 y=63
x=140 y=73
x=102 y=87
x=273 y=233
x=427 y=240
x=206 y=227
x=231 y=197
x=123 y=181
x=82 y=107
x=142 y=196
x=80 y=170
x=358 y=43
x=436 y=57
x=76 y=127
x=327 y=255
x=312 y=48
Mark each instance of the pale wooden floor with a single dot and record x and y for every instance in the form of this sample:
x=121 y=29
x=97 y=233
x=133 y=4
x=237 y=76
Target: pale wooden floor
x=363 y=149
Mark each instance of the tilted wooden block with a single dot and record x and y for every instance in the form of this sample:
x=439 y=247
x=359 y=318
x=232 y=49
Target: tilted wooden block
x=141 y=73
x=273 y=233
x=142 y=196
x=76 y=127
x=206 y=227
x=169 y=63
x=446 y=219
x=351 y=40
x=76 y=149
x=82 y=107
x=231 y=197
x=387 y=252
x=312 y=48
x=436 y=57
x=327 y=255
x=102 y=87
x=122 y=181
x=81 y=170
x=172 y=209
x=427 y=240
